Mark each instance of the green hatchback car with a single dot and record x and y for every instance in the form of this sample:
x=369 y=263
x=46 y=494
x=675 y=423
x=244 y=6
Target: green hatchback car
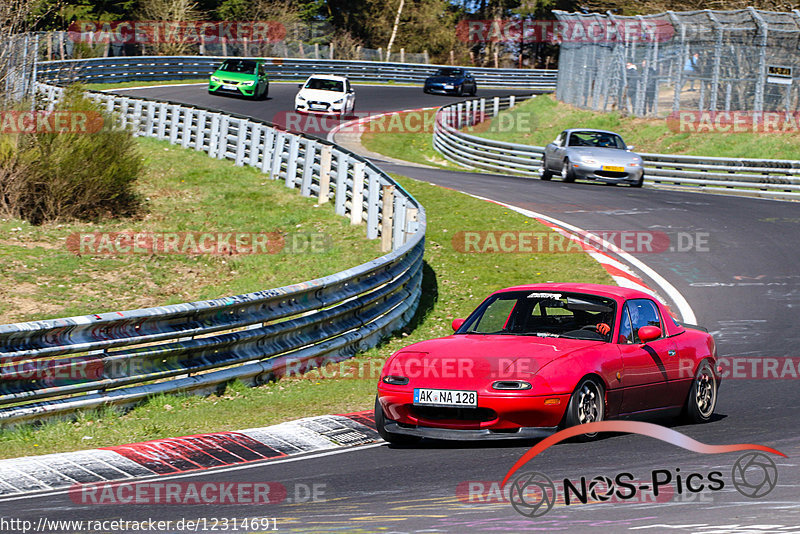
x=244 y=77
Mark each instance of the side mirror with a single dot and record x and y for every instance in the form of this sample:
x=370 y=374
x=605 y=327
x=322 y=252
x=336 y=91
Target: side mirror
x=649 y=333
x=630 y=147
x=457 y=324
x=300 y=86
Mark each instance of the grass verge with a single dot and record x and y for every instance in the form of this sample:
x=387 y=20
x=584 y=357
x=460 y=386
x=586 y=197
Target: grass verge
x=185 y=191
x=454 y=283
x=540 y=120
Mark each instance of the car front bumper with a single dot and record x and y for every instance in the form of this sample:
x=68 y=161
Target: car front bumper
x=477 y=434
x=596 y=172
x=241 y=90
x=442 y=90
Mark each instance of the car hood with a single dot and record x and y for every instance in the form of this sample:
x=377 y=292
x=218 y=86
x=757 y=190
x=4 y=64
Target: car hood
x=320 y=96
x=235 y=76
x=606 y=154
x=494 y=357
x=445 y=79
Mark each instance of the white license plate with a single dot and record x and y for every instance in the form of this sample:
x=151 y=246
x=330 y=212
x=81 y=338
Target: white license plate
x=229 y=87
x=449 y=86
x=445 y=397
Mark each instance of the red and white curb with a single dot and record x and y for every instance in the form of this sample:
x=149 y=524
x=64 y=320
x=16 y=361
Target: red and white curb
x=172 y=456
x=620 y=271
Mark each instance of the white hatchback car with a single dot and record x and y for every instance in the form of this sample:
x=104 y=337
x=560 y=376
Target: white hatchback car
x=326 y=94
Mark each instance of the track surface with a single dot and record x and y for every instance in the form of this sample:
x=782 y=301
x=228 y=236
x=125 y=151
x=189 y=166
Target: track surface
x=745 y=289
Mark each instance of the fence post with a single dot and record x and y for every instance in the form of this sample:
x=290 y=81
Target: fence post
x=151 y=118
x=357 y=198
x=386 y=218
x=174 y=123
x=162 y=121
x=324 y=174
x=411 y=219
x=398 y=228
x=512 y=100
x=213 y=136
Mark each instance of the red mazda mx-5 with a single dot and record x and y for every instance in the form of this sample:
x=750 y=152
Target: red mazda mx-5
x=533 y=359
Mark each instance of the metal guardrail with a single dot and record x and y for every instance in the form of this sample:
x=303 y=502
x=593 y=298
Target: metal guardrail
x=752 y=177
x=54 y=367
x=143 y=68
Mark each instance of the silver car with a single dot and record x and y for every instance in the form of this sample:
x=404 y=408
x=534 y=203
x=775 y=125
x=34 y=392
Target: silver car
x=594 y=155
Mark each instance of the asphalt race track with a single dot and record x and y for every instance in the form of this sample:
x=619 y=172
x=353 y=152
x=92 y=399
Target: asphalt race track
x=743 y=285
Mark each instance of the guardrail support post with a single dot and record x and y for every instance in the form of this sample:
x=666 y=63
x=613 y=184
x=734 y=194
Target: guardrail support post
x=222 y=139
x=186 y=134
x=268 y=150
x=324 y=174
x=411 y=222
x=162 y=122
x=387 y=214
x=495 y=106
x=151 y=119
x=174 y=123
x=277 y=156
x=241 y=139
x=255 y=144
x=308 y=167
x=342 y=163
x=357 y=199
x=398 y=228
x=199 y=138
x=291 y=163
x=511 y=101
x=213 y=136
x=373 y=197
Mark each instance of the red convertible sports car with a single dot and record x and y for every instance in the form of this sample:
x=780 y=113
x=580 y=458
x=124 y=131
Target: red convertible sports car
x=533 y=359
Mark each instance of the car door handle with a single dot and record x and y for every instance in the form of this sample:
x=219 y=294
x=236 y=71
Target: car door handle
x=671 y=352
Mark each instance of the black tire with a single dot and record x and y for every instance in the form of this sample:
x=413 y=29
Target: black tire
x=380 y=426
x=702 y=397
x=546 y=174
x=567 y=172
x=474 y=90
x=460 y=91
x=639 y=182
x=586 y=405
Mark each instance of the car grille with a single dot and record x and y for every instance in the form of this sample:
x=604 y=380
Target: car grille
x=456 y=414
x=312 y=104
x=230 y=82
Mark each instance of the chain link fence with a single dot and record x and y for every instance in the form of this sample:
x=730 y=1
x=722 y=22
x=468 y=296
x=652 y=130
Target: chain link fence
x=18 y=55
x=654 y=65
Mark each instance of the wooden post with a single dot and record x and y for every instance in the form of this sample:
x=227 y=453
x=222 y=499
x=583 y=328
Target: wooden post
x=358 y=52
x=425 y=54
x=452 y=57
x=402 y=55
x=380 y=54
x=324 y=174
x=496 y=59
x=50 y=46
x=330 y=50
x=246 y=48
x=316 y=50
x=61 y=45
x=224 y=46
x=387 y=214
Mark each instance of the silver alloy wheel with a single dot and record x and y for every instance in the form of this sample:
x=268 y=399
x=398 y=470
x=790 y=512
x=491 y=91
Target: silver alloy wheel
x=706 y=391
x=565 y=170
x=589 y=407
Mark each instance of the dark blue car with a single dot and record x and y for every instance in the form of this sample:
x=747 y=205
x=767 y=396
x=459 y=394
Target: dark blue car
x=451 y=81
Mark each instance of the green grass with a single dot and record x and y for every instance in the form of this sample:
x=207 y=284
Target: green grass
x=414 y=146
x=539 y=120
x=453 y=284
x=184 y=191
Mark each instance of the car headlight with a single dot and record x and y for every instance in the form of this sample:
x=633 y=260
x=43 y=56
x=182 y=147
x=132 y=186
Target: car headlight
x=248 y=84
x=339 y=101
x=395 y=380
x=215 y=79
x=301 y=98
x=588 y=160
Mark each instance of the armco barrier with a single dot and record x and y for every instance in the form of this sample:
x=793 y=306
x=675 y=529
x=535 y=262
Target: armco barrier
x=752 y=177
x=141 y=68
x=54 y=367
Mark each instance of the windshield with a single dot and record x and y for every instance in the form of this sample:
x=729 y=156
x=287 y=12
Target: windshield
x=452 y=73
x=322 y=84
x=596 y=139
x=242 y=66
x=544 y=314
